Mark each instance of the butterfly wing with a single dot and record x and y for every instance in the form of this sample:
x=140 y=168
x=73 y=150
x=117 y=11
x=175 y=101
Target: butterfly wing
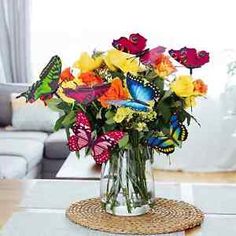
x=82 y=133
x=84 y=94
x=141 y=94
x=131 y=104
x=161 y=144
x=189 y=57
x=141 y=91
x=104 y=144
x=150 y=56
x=135 y=44
x=178 y=131
x=203 y=58
x=48 y=83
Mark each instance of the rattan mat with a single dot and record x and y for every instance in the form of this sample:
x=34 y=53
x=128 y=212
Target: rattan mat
x=165 y=217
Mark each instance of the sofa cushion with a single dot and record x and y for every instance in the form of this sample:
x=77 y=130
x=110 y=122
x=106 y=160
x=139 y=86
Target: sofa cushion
x=32 y=116
x=12 y=167
x=32 y=135
x=5 y=100
x=55 y=145
x=30 y=150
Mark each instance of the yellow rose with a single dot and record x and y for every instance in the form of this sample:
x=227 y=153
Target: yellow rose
x=122 y=113
x=116 y=59
x=86 y=63
x=183 y=86
x=190 y=102
x=68 y=84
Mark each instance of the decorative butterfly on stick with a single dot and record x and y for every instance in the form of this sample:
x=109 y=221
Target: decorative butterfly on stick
x=82 y=137
x=141 y=94
x=48 y=83
x=190 y=57
x=135 y=45
x=86 y=94
x=167 y=143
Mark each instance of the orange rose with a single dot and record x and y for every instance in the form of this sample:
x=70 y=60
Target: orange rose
x=115 y=92
x=90 y=78
x=200 y=88
x=163 y=66
x=66 y=75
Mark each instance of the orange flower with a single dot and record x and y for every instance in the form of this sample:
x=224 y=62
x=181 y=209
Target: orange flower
x=200 y=88
x=66 y=75
x=90 y=78
x=115 y=92
x=163 y=66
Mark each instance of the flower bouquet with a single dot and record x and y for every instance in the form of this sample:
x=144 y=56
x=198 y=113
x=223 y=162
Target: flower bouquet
x=121 y=106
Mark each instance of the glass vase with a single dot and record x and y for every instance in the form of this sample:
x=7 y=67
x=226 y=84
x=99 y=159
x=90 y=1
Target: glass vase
x=127 y=184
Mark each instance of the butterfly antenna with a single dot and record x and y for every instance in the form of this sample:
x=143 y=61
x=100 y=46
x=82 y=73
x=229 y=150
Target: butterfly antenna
x=131 y=58
x=57 y=95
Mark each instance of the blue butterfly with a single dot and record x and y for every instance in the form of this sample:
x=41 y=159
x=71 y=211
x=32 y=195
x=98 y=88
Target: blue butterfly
x=141 y=93
x=167 y=143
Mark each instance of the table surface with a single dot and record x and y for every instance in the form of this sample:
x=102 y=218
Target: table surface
x=85 y=168
x=39 y=206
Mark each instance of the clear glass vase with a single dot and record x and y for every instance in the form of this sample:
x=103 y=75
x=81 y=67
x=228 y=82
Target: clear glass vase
x=127 y=184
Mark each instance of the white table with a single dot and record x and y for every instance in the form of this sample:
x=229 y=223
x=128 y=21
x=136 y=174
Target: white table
x=43 y=207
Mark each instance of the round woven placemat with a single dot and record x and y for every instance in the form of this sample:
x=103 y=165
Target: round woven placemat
x=165 y=217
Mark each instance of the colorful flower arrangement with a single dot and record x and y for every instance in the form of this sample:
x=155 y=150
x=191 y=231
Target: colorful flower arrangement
x=126 y=98
x=128 y=88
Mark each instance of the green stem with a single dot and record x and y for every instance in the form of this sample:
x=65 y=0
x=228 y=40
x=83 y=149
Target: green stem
x=95 y=106
x=82 y=107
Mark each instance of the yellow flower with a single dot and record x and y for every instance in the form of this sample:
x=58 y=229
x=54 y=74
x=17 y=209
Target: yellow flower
x=190 y=102
x=116 y=59
x=122 y=113
x=151 y=115
x=86 y=63
x=183 y=86
x=163 y=66
x=68 y=84
x=141 y=126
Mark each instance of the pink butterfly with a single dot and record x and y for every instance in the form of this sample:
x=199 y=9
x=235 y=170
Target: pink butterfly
x=86 y=94
x=135 y=45
x=82 y=137
x=150 y=56
x=190 y=57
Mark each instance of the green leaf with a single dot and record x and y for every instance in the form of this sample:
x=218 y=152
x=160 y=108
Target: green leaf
x=188 y=119
x=64 y=106
x=69 y=119
x=165 y=111
x=109 y=114
x=99 y=114
x=166 y=95
x=77 y=154
x=53 y=104
x=67 y=132
x=159 y=82
x=124 y=141
x=110 y=127
x=110 y=121
x=181 y=117
x=58 y=125
x=87 y=151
